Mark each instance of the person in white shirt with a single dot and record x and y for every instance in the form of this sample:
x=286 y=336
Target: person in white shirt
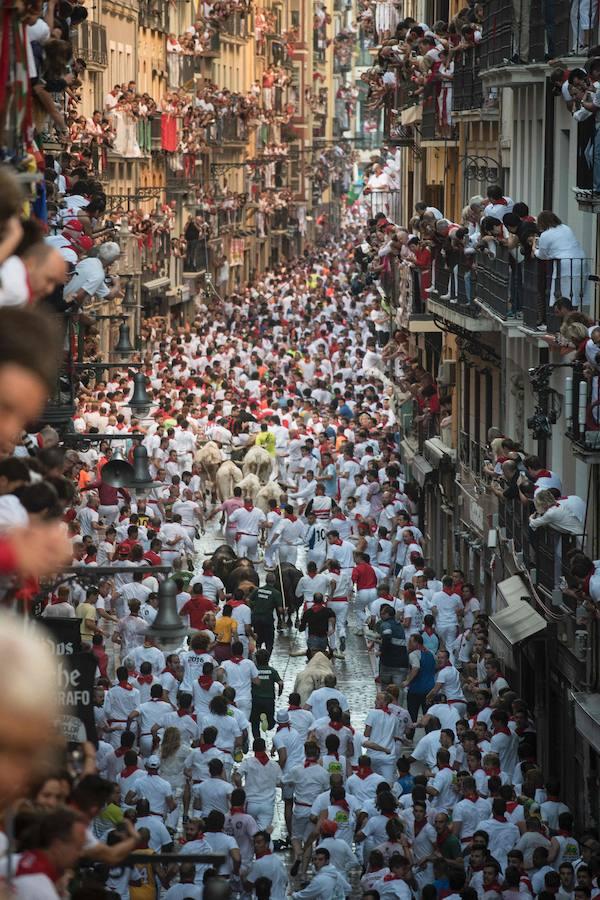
x=120 y=704
x=468 y=812
x=448 y=611
x=260 y=776
x=381 y=730
x=317 y=701
x=149 y=714
x=213 y=792
x=248 y=520
x=441 y=786
x=156 y=790
x=503 y=835
x=267 y=865
x=288 y=535
x=312 y=583
x=504 y=742
x=447 y=682
x=241 y=674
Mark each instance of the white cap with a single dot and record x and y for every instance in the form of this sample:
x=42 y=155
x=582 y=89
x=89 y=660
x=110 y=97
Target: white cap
x=153 y=762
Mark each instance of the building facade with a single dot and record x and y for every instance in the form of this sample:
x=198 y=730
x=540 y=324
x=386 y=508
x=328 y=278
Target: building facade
x=495 y=367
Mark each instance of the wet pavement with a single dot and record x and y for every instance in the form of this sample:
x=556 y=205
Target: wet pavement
x=355 y=677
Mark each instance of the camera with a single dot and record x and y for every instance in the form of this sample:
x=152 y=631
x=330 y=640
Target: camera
x=539 y=424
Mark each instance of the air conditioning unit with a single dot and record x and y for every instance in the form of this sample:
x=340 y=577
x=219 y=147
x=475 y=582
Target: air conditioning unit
x=447 y=373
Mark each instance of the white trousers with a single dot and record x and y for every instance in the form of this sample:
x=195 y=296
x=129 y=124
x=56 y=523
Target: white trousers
x=247 y=545
x=340 y=608
x=108 y=513
x=364 y=599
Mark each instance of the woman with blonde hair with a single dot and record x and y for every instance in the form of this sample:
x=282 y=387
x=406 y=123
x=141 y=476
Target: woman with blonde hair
x=173 y=753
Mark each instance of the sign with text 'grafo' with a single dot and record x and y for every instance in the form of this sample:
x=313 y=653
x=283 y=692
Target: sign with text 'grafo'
x=76 y=675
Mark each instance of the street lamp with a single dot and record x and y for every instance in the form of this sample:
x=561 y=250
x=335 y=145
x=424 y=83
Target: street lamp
x=167 y=627
x=140 y=401
x=124 y=346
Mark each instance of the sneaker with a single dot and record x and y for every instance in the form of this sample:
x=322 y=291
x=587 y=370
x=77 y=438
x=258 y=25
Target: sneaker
x=453 y=301
x=264 y=725
x=342 y=644
x=541 y=327
x=446 y=297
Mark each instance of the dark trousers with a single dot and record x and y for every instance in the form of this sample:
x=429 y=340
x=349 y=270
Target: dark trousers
x=415 y=702
x=260 y=706
x=265 y=633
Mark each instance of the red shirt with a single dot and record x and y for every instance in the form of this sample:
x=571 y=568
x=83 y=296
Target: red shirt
x=364 y=577
x=153 y=558
x=196 y=608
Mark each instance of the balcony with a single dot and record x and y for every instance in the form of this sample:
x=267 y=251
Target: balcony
x=467 y=89
x=454 y=286
x=513 y=41
x=433 y=132
x=213 y=48
x=587 y=179
x=89 y=43
x=387 y=202
x=236 y=25
x=154 y=14
x=231 y=130
x=582 y=413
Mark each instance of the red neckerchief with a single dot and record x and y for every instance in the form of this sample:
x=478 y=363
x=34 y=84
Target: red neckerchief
x=501 y=202
x=502 y=730
x=441 y=838
x=205 y=747
x=237 y=809
x=318 y=605
x=236 y=659
x=494 y=678
x=447 y=665
x=561 y=831
x=493 y=770
x=120 y=751
x=472 y=797
x=145 y=679
x=388 y=815
x=310 y=762
x=499 y=818
x=449 y=591
x=428 y=630
x=205 y=682
x=128 y=770
x=170 y=671
x=337 y=726
x=264 y=853
x=511 y=805
x=290 y=708
x=343 y=804
x=125 y=685
x=385 y=709
x=336 y=755
x=182 y=713
x=392 y=877
x=364 y=772
x=291 y=518
x=543 y=473
x=262 y=757
x=283 y=725
x=35 y=862
x=235 y=603
x=337 y=542
x=208 y=573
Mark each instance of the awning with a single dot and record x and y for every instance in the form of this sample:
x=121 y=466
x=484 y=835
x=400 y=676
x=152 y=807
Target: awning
x=435 y=451
x=407 y=452
x=412 y=115
x=513 y=625
x=512 y=591
x=420 y=469
x=587 y=717
x=156 y=284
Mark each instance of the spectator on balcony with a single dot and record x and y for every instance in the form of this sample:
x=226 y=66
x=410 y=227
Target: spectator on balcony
x=541 y=478
x=557 y=243
x=90 y=274
x=564 y=514
x=507 y=485
x=421 y=209
x=491 y=234
x=498 y=205
x=583 y=20
x=520 y=30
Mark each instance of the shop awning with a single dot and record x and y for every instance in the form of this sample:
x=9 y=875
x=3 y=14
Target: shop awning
x=156 y=284
x=512 y=590
x=514 y=624
x=420 y=469
x=587 y=717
